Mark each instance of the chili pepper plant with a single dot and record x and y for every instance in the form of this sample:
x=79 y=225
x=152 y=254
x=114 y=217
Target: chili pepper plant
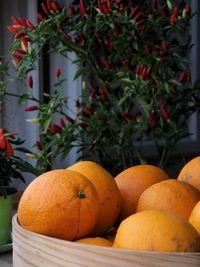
x=132 y=57
x=12 y=166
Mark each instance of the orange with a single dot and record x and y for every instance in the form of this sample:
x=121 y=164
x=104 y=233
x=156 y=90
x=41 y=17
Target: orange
x=133 y=181
x=190 y=173
x=155 y=230
x=98 y=241
x=195 y=217
x=59 y=203
x=108 y=193
x=170 y=195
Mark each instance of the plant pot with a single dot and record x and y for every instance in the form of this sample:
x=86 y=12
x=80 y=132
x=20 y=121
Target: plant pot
x=6 y=206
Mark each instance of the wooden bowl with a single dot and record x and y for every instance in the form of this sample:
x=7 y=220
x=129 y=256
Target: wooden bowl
x=31 y=249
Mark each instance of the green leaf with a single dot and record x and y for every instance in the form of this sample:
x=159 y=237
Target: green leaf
x=80 y=71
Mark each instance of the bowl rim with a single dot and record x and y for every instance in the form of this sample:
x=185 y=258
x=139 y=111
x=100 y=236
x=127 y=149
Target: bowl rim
x=91 y=247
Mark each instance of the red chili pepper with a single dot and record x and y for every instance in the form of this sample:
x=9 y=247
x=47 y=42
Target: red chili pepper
x=143 y=74
x=9 y=152
x=90 y=147
x=28 y=39
x=183 y=77
x=45 y=9
x=176 y=11
x=93 y=93
x=108 y=43
x=20 y=51
x=164 y=112
x=139 y=16
x=88 y=112
x=30 y=25
x=17 y=56
x=3 y=142
x=22 y=21
x=14 y=20
x=30 y=81
x=54 y=129
x=62 y=122
x=1 y=131
x=78 y=103
x=106 y=63
x=31 y=108
x=109 y=3
x=71 y=10
x=148 y=48
x=24 y=41
x=106 y=10
x=172 y=19
x=40 y=16
x=48 y=3
x=134 y=10
x=140 y=69
x=165 y=11
x=103 y=94
x=19 y=35
x=69 y=119
x=38 y=145
x=100 y=6
x=154 y=4
x=55 y=7
x=82 y=7
x=58 y=72
x=118 y=2
x=153 y=120
x=188 y=9
x=15 y=28
x=164 y=44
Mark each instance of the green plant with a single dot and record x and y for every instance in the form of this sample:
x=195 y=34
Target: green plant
x=11 y=166
x=136 y=82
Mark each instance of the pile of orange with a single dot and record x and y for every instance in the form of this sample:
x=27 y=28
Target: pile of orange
x=141 y=208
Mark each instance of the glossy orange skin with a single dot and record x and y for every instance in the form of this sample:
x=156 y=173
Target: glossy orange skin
x=108 y=193
x=195 y=217
x=190 y=173
x=155 y=230
x=59 y=203
x=170 y=195
x=133 y=181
